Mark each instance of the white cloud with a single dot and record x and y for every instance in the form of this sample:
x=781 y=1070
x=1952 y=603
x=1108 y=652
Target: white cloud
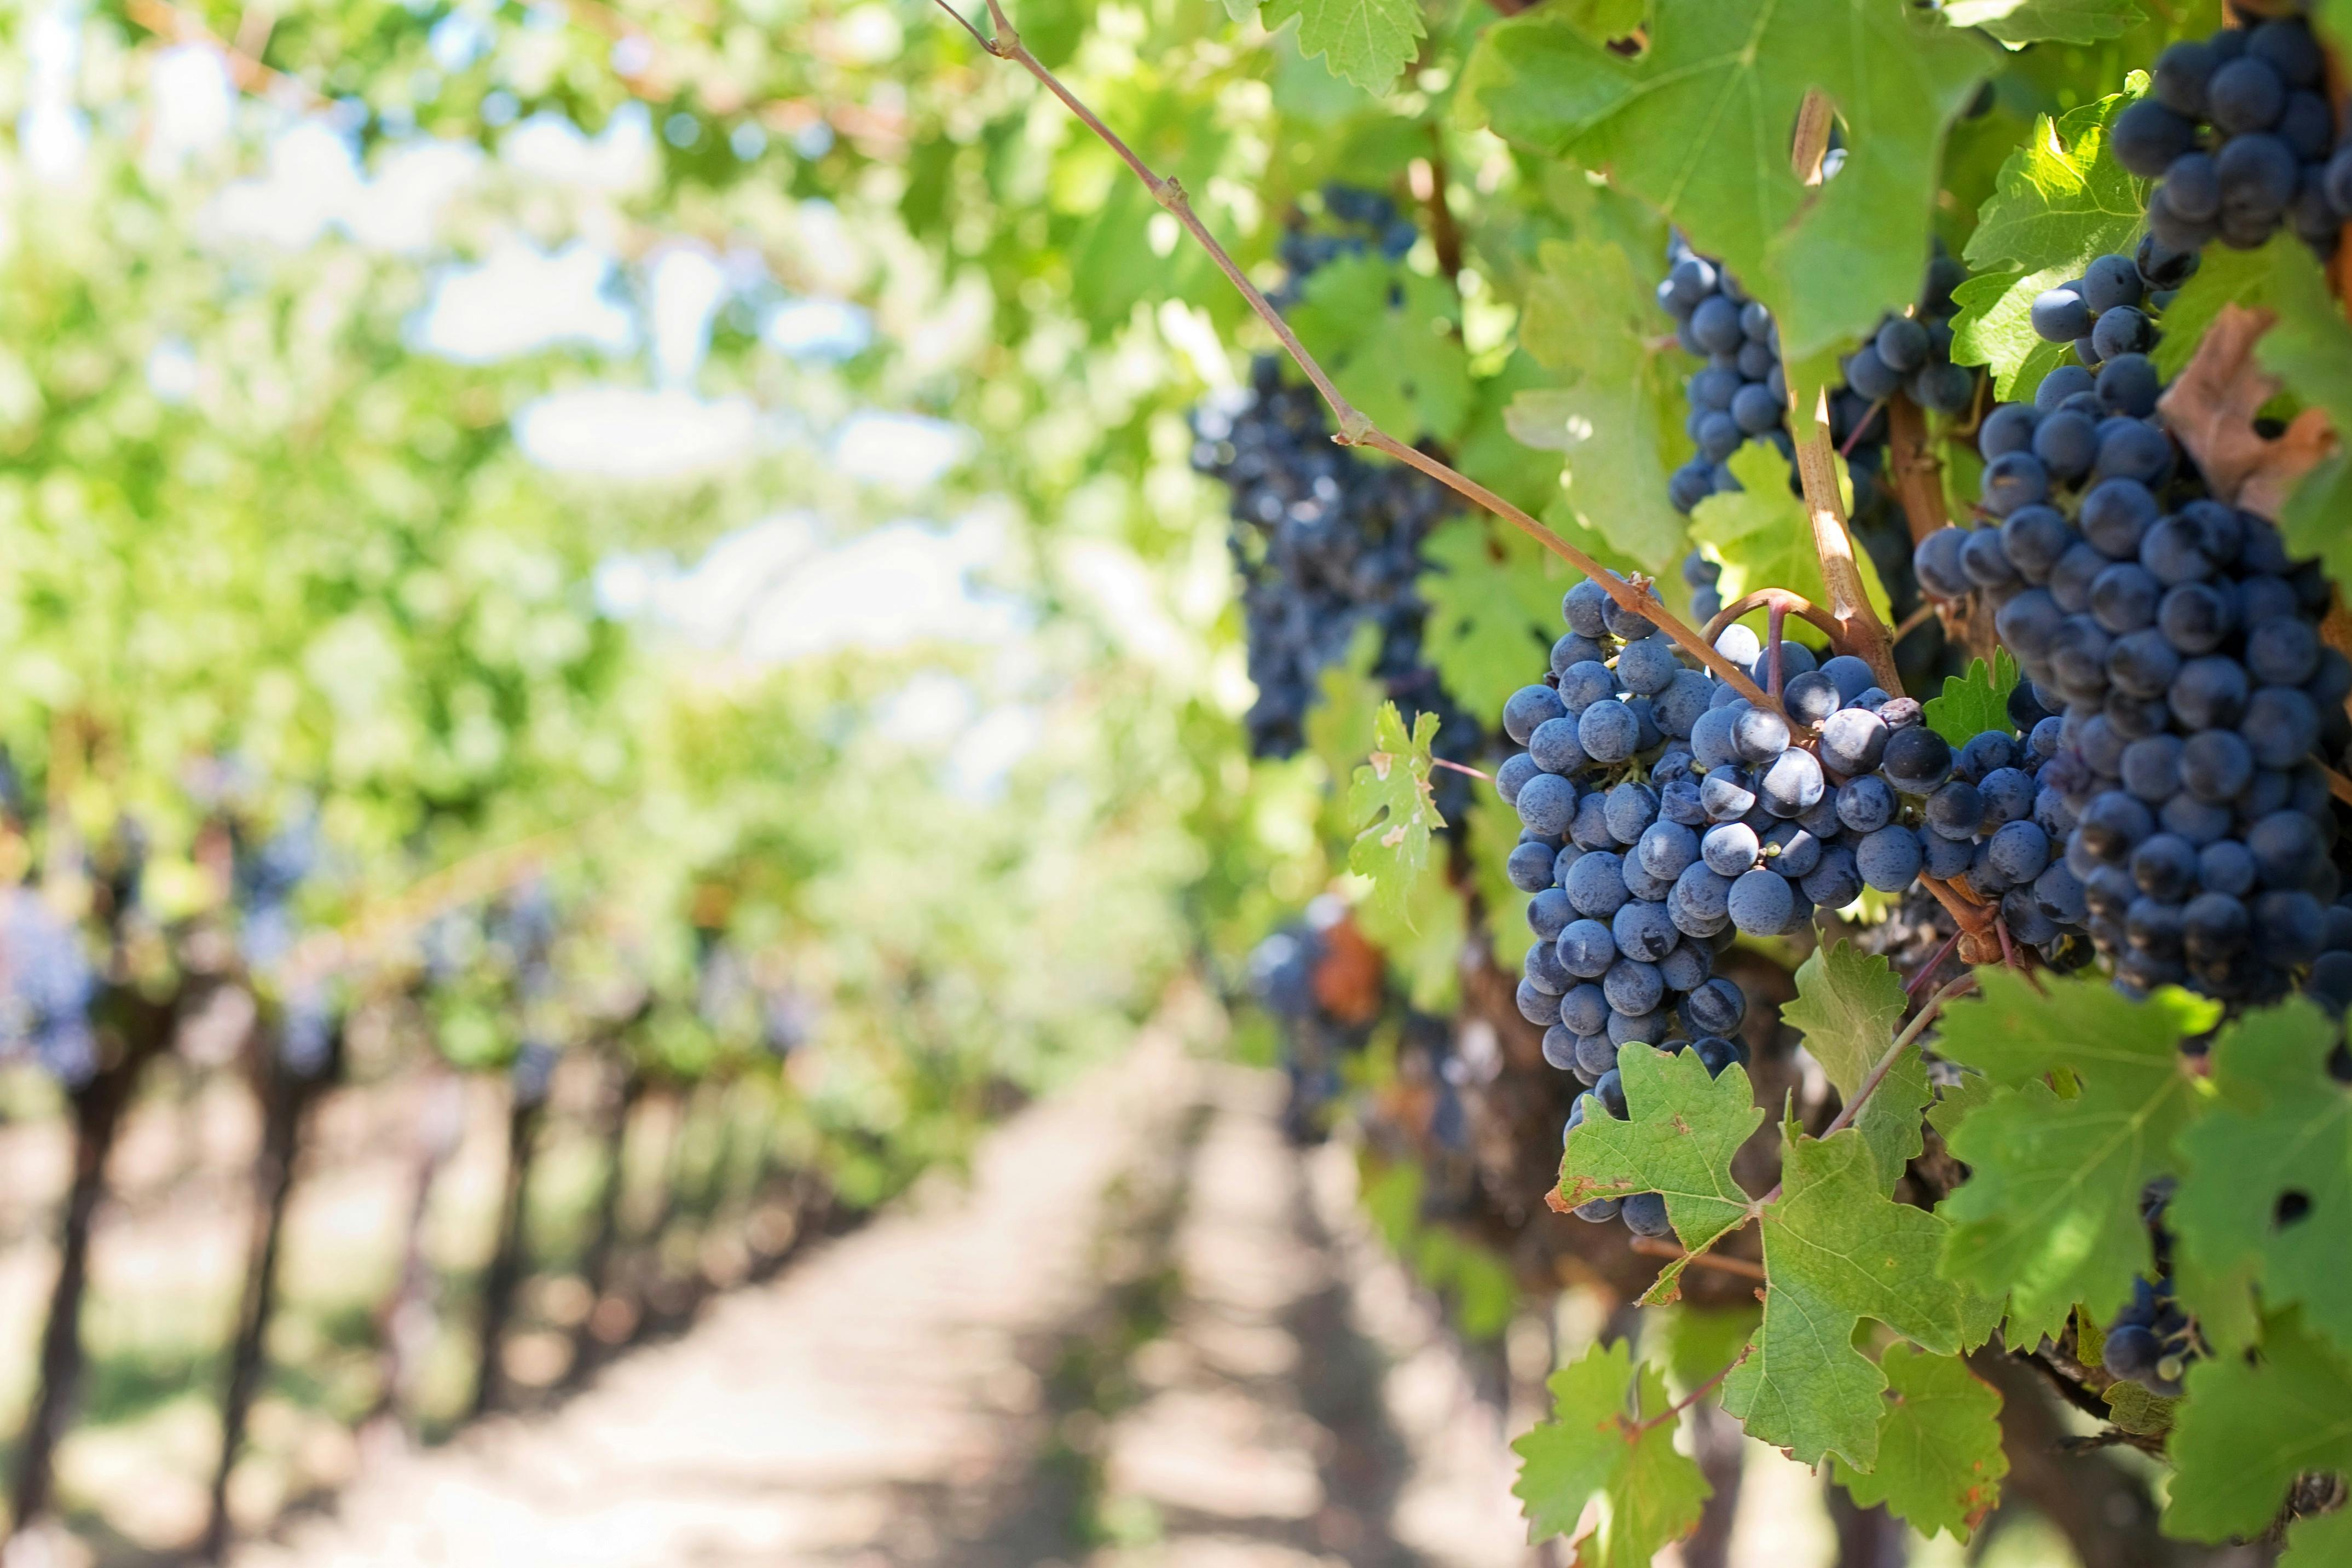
x=628 y=433
x=522 y=298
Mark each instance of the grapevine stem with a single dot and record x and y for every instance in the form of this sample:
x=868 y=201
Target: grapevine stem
x=1817 y=467
x=1776 y=621
x=1918 y=476
x=1778 y=599
x=1911 y=1030
x=1920 y=979
x=1913 y=621
x=1695 y=1395
x=1355 y=429
x=1659 y=1246
x=1459 y=768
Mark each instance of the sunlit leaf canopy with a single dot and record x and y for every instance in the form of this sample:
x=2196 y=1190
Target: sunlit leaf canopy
x=483 y=426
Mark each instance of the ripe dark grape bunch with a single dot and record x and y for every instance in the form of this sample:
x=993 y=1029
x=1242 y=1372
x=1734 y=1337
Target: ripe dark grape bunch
x=1741 y=393
x=1662 y=813
x=2180 y=643
x=2239 y=129
x=2110 y=313
x=1356 y=222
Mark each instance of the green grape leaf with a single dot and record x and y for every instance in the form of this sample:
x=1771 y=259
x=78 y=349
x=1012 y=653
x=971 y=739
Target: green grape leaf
x=1494 y=834
x=2134 y=1408
x=1494 y=610
x=1699 y=1342
x=2249 y=1425
x=1392 y=801
x=2269 y=1168
x=1346 y=712
x=1604 y=21
x=1940 y=1454
x=1837 y=1250
x=2324 y=1542
x=2253 y=279
x=2050 y=1214
x=1388 y=337
x=1491 y=454
x=2045 y=21
x=1698 y=124
x=1679 y=1141
x=1993 y=327
x=1974 y=703
x=2060 y=201
x=2309 y=348
x=1762 y=537
x=1849 y=1007
x=1365 y=42
x=1606 y=1441
x=1592 y=317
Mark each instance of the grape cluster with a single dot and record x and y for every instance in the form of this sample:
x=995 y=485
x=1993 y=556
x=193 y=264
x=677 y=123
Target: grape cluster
x=2180 y=644
x=1740 y=396
x=1325 y=542
x=2151 y=1341
x=2238 y=130
x=1662 y=813
x=2110 y=314
x=50 y=986
x=1910 y=353
x=1356 y=222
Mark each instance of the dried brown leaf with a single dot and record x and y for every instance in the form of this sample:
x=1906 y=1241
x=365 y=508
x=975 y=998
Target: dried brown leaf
x=2211 y=408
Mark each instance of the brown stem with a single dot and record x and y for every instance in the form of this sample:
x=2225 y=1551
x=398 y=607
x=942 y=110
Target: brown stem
x=1918 y=476
x=1846 y=1113
x=1776 y=622
x=1355 y=429
x=1659 y=1246
x=1816 y=466
x=1459 y=768
x=1779 y=600
x=1695 y=1395
x=1444 y=233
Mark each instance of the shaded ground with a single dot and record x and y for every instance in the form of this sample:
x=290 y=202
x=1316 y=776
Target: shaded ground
x=1147 y=1332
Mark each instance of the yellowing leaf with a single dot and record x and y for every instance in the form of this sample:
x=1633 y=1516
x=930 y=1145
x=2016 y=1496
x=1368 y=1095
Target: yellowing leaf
x=1605 y=1442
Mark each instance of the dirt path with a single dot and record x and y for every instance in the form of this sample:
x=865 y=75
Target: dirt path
x=1148 y=1332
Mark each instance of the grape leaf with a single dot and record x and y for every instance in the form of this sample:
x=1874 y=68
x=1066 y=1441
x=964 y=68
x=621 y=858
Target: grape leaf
x=2050 y=1214
x=2045 y=21
x=1762 y=538
x=1387 y=335
x=1699 y=1342
x=2269 y=1173
x=2224 y=277
x=1684 y=1130
x=1600 y=1445
x=1994 y=328
x=2132 y=1408
x=2059 y=201
x=1940 y=1454
x=2322 y=1542
x=2249 y=1426
x=1975 y=703
x=1849 y=1006
x=1494 y=600
x=1698 y=126
x=1592 y=317
x=1837 y=1250
x=2309 y=348
x=1367 y=42
x=1390 y=799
